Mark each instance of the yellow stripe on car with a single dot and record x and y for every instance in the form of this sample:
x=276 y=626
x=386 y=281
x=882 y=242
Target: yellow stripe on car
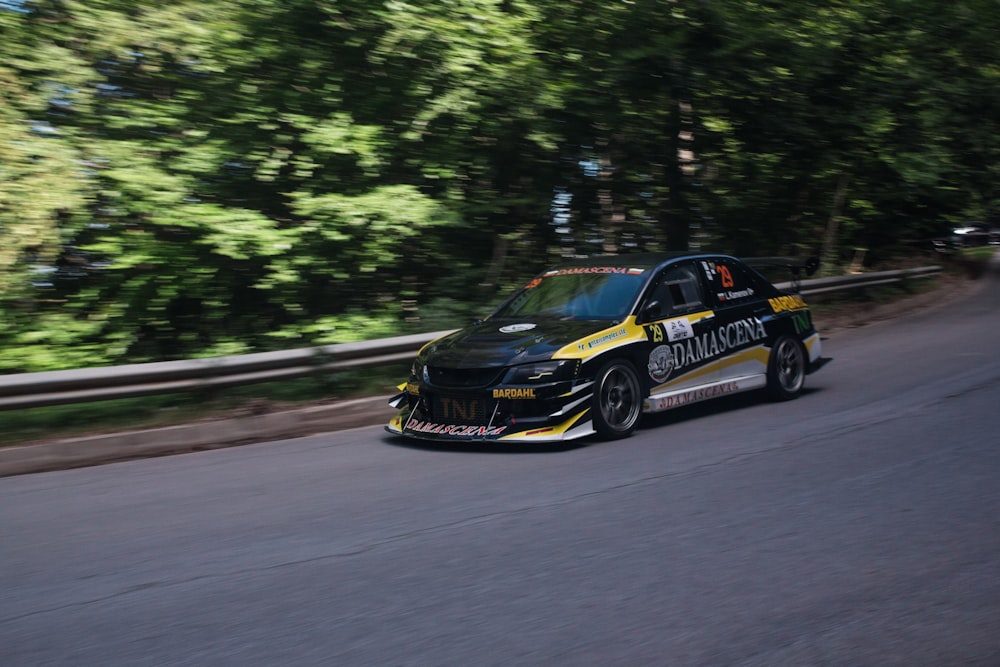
x=626 y=333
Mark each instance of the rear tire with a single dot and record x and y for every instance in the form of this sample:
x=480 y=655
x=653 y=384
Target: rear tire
x=786 y=372
x=617 y=402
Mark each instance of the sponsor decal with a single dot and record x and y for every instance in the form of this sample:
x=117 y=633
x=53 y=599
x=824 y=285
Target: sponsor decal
x=600 y=340
x=717 y=342
x=709 y=270
x=696 y=395
x=515 y=393
x=661 y=362
x=678 y=330
x=518 y=328
x=412 y=388
x=671 y=330
x=454 y=408
x=801 y=322
x=729 y=295
x=730 y=336
x=780 y=304
x=594 y=269
x=460 y=430
x=533 y=283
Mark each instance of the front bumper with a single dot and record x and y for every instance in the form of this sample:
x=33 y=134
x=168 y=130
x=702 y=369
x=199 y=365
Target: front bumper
x=548 y=413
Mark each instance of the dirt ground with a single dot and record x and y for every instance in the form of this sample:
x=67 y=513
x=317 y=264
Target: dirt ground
x=832 y=315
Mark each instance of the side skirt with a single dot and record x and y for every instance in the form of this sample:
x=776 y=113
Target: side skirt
x=676 y=398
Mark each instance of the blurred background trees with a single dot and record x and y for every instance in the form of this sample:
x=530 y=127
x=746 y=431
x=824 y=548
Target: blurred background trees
x=203 y=178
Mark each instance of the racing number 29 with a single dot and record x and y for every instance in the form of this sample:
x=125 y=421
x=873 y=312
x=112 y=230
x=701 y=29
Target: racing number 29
x=725 y=275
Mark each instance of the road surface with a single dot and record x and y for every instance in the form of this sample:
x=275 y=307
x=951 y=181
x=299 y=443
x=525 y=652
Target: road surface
x=859 y=524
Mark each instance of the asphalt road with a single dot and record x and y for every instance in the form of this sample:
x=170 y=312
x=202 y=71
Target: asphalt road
x=858 y=525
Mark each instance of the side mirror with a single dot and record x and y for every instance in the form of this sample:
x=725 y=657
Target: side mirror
x=651 y=311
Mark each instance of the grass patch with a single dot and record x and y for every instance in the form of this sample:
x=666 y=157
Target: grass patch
x=981 y=253
x=971 y=261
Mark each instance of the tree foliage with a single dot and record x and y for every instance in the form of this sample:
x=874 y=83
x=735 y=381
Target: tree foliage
x=193 y=179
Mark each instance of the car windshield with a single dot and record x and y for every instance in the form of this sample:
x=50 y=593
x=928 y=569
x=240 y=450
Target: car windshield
x=591 y=293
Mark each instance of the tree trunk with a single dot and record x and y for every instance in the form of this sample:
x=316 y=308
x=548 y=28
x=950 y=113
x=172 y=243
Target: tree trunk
x=612 y=215
x=500 y=246
x=829 y=250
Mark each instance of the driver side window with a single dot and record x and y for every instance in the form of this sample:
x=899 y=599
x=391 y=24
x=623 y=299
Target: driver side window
x=678 y=292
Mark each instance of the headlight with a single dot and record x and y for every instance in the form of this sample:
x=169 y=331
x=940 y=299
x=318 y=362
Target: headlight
x=418 y=371
x=543 y=371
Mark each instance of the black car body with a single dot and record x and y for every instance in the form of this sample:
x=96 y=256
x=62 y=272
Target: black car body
x=588 y=347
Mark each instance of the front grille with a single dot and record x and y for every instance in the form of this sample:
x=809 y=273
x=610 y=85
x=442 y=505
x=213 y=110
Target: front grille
x=463 y=377
x=454 y=409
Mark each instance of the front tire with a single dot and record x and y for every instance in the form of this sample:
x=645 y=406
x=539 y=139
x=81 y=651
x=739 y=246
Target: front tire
x=786 y=373
x=617 y=401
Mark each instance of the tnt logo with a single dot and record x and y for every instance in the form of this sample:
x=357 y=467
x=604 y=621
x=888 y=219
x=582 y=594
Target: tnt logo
x=458 y=410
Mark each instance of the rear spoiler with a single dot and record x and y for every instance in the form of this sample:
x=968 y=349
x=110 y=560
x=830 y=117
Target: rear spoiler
x=808 y=265
x=797 y=267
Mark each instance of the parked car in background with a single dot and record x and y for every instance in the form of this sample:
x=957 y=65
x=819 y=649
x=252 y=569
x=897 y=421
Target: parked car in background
x=974 y=234
x=588 y=347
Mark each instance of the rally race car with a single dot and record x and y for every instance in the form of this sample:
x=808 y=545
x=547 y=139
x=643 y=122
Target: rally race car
x=588 y=347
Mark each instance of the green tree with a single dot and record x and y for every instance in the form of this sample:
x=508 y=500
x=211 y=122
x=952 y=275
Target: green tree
x=216 y=177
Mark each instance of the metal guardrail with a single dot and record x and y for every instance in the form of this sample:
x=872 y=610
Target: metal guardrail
x=841 y=283
x=32 y=390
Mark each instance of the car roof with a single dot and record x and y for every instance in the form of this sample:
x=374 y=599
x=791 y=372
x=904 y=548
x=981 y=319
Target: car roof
x=646 y=260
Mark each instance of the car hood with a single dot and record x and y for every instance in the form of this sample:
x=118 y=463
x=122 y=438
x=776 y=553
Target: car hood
x=497 y=343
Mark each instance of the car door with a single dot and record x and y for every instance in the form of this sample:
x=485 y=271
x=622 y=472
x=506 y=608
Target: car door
x=678 y=323
x=737 y=299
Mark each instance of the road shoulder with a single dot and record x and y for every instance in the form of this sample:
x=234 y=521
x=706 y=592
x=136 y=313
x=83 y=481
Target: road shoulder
x=217 y=433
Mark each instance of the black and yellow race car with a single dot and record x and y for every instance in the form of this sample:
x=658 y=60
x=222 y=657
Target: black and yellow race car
x=588 y=347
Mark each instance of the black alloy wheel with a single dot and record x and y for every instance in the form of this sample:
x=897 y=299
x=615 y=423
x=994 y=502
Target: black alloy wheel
x=786 y=373
x=617 y=400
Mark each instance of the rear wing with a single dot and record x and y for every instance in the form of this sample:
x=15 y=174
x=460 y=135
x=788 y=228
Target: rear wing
x=797 y=267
